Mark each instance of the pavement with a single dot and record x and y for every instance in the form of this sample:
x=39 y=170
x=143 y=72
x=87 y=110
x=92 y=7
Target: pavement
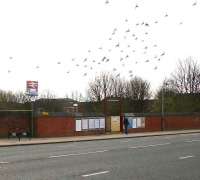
x=37 y=141
x=169 y=157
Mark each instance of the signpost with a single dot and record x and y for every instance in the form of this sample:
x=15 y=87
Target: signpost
x=32 y=92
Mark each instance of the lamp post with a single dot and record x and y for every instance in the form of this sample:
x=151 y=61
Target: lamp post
x=162 y=106
x=75 y=105
x=162 y=110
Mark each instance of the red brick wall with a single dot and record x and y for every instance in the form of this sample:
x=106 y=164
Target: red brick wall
x=153 y=123
x=182 y=122
x=55 y=126
x=13 y=124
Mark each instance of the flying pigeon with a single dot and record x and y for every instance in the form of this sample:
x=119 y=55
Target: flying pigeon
x=163 y=54
x=194 y=4
x=117 y=45
x=106 y=2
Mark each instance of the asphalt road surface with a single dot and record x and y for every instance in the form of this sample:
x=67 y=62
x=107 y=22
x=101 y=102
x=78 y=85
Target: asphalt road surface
x=175 y=157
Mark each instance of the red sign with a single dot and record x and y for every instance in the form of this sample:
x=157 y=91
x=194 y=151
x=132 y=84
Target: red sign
x=32 y=88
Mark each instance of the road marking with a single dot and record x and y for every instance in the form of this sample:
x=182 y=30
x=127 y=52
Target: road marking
x=94 y=174
x=125 y=141
x=195 y=140
x=3 y=162
x=77 y=154
x=150 y=145
x=186 y=157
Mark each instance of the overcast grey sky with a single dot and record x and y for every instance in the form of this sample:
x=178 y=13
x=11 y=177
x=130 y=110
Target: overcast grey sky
x=62 y=43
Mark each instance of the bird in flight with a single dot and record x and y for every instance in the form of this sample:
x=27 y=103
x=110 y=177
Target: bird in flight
x=136 y=6
x=118 y=75
x=106 y=2
x=117 y=45
x=163 y=54
x=194 y=4
x=103 y=58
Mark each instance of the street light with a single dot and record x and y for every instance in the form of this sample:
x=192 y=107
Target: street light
x=162 y=107
x=75 y=105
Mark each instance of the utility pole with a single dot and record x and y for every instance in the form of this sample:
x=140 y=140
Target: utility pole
x=32 y=117
x=162 y=110
x=163 y=107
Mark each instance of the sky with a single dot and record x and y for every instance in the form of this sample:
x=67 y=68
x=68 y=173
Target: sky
x=64 y=44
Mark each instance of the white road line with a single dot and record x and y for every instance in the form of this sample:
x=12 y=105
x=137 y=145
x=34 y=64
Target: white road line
x=186 y=157
x=195 y=140
x=94 y=174
x=3 y=162
x=125 y=141
x=150 y=145
x=77 y=154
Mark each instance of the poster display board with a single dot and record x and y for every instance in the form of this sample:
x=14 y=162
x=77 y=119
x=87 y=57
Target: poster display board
x=115 y=123
x=130 y=122
x=91 y=123
x=102 y=123
x=139 y=122
x=84 y=124
x=78 y=125
x=96 y=123
x=134 y=122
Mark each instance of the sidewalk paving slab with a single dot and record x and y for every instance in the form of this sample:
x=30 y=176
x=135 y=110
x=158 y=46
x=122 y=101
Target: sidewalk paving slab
x=39 y=141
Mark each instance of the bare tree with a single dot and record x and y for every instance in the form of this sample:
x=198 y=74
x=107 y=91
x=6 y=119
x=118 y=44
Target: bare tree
x=75 y=95
x=47 y=94
x=118 y=87
x=94 y=91
x=137 y=89
x=100 y=87
x=21 y=97
x=186 y=78
x=107 y=85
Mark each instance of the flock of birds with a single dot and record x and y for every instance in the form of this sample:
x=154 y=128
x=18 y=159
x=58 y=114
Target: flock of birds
x=125 y=42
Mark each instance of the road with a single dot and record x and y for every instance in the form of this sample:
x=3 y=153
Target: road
x=174 y=157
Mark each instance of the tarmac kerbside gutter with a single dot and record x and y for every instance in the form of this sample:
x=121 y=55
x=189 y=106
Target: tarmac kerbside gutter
x=41 y=141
